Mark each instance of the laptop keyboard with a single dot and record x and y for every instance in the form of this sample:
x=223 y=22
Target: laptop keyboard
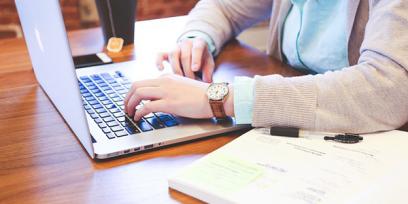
x=103 y=96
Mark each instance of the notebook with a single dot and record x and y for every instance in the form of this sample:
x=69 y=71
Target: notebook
x=259 y=168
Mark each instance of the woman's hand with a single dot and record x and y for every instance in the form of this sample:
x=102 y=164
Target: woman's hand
x=172 y=94
x=189 y=56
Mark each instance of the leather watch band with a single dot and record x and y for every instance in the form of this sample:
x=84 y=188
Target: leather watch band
x=217 y=108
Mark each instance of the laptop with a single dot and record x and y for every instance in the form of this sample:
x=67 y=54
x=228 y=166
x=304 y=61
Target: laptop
x=91 y=99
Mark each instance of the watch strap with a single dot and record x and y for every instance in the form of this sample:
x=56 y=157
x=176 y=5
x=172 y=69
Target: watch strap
x=217 y=108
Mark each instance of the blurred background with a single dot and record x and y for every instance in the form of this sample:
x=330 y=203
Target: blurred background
x=82 y=14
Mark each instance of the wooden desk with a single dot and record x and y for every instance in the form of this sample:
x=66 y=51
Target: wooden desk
x=42 y=162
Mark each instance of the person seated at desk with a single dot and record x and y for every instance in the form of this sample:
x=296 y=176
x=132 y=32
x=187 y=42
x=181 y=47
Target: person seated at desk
x=355 y=51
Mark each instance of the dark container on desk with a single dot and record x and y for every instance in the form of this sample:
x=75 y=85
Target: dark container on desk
x=117 y=19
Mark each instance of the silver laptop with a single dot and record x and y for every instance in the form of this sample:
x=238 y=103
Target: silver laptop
x=91 y=99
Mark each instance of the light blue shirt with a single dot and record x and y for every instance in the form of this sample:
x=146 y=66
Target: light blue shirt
x=314 y=37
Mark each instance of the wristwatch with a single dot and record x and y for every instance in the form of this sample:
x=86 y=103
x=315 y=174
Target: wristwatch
x=216 y=94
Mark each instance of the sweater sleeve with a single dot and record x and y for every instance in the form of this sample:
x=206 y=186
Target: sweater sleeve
x=224 y=19
x=202 y=35
x=370 y=96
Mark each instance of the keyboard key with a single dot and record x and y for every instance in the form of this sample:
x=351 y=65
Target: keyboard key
x=100 y=110
x=106 y=88
x=98 y=120
x=89 y=98
x=99 y=94
x=92 y=87
x=103 y=98
x=110 y=106
x=110 y=135
x=130 y=126
x=106 y=130
x=89 y=83
x=121 y=119
x=87 y=107
x=116 y=128
x=114 y=110
x=171 y=123
x=94 y=116
x=167 y=119
x=144 y=126
x=164 y=117
x=104 y=115
x=86 y=95
x=102 y=125
x=113 y=95
x=111 y=81
x=100 y=81
x=123 y=91
x=96 y=106
x=106 y=102
x=108 y=119
x=118 y=88
x=84 y=78
x=116 y=99
x=120 y=103
x=115 y=84
x=83 y=91
x=112 y=123
x=121 y=133
x=155 y=122
x=95 y=91
x=119 y=114
x=90 y=111
x=93 y=102
x=109 y=91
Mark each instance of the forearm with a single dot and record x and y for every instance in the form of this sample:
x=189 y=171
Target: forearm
x=363 y=98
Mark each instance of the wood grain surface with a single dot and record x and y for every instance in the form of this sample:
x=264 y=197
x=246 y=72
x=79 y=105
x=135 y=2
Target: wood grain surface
x=41 y=161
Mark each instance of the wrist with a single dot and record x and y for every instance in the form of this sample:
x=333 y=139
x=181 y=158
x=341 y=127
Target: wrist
x=229 y=102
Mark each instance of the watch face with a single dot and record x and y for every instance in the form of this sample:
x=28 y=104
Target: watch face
x=217 y=91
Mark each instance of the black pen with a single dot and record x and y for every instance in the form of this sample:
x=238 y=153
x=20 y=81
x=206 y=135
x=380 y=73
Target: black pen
x=348 y=138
